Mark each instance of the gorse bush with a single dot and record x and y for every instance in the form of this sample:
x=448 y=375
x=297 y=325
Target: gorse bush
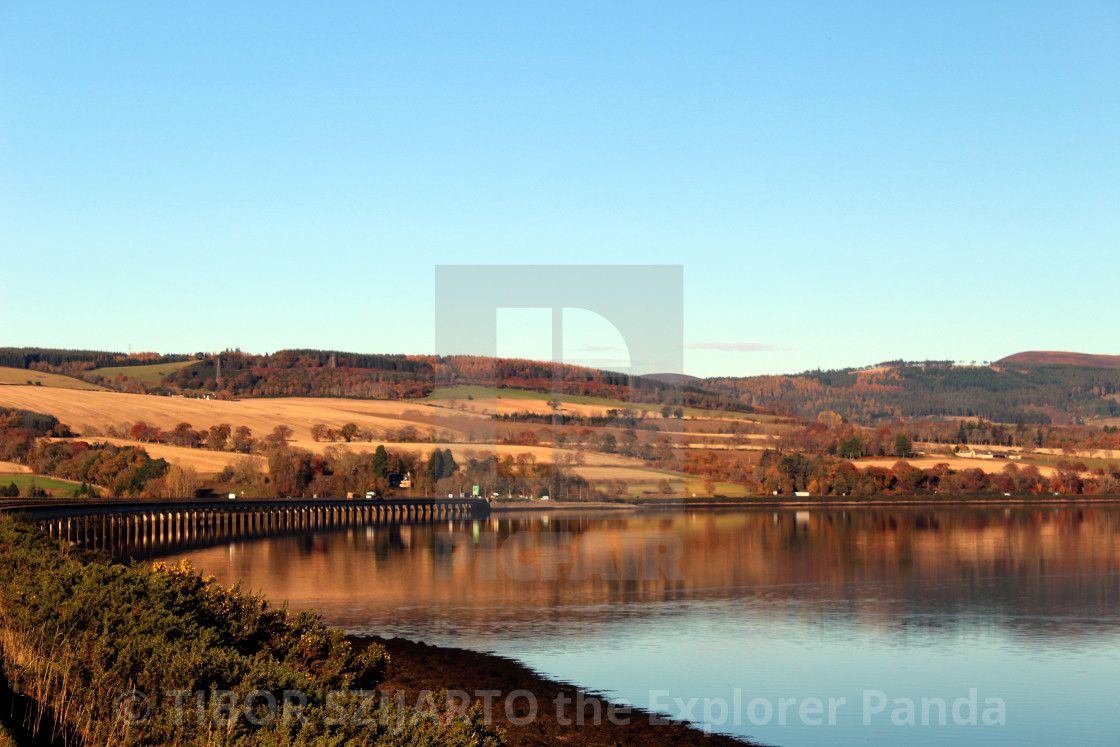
x=78 y=632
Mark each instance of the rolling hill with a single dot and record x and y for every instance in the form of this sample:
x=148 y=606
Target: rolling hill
x=1034 y=387
x=24 y=376
x=1022 y=392
x=1057 y=358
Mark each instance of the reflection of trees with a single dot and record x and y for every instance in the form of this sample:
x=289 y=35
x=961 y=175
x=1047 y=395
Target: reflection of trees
x=901 y=569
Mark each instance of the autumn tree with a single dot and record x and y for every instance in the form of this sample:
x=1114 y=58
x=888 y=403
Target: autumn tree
x=629 y=441
x=184 y=435
x=908 y=477
x=179 y=482
x=141 y=432
x=242 y=439
x=219 y=436
x=280 y=434
x=607 y=443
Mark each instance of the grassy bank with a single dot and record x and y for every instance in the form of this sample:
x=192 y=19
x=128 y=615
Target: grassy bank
x=113 y=654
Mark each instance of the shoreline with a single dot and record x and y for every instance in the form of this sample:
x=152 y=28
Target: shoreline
x=532 y=708
x=901 y=501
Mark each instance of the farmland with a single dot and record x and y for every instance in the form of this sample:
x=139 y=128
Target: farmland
x=414 y=426
x=21 y=377
x=618 y=448
x=491 y=400
x=95 y=411
x=152 y=375
x=50 y=484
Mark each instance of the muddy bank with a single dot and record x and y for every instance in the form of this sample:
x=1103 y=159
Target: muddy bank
x=416 y=667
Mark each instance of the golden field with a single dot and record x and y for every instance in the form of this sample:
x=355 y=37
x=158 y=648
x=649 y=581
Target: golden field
x=990 y=466
x=11 y=468
x=85 y=410
x=89 y=411
x=461 y=425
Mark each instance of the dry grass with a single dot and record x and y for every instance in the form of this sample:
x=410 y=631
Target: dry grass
x=203 y=460
x=509 y=404
x=83 y=410
x=989 y=466
x=11 y=468
x=20 y=377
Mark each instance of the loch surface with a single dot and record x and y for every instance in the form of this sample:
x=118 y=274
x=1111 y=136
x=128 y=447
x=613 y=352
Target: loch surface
x=918 y=625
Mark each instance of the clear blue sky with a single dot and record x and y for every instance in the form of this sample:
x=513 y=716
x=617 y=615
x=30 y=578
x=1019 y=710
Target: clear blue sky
x=843 y=182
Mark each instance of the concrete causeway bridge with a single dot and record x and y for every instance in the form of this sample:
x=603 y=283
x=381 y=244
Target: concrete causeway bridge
x=121 y=526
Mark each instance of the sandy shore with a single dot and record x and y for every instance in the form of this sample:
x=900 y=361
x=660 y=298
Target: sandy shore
x=416 y=667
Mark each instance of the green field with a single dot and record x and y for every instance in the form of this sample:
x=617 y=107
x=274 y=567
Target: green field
x=481 y=392
x=151 y=375
x=26 y=376
x=49 y=484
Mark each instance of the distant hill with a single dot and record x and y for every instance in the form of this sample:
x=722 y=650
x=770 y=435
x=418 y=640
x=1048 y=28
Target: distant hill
x=1029 y=388
x=1016 y=392
x=334 y=373
x=1057 y=358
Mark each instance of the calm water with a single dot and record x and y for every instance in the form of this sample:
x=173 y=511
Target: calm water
x=763 y=617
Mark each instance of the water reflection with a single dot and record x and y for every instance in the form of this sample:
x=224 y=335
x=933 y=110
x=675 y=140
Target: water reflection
x=1036 y=570
x=792 y=601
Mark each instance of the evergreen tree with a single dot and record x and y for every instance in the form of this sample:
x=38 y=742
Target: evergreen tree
x=448 y=467
x=902 y=445
x=379 y=465
x=434 y=469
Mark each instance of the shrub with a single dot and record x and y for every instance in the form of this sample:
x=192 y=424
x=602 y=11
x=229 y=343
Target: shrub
x=78 y=630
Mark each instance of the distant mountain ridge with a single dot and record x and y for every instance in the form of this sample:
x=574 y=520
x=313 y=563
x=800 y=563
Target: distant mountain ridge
x=1060 y=358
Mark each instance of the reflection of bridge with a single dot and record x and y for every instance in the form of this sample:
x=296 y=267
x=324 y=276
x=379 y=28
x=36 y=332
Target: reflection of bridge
x=124 y=527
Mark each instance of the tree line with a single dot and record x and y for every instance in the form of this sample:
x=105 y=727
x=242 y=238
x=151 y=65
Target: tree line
x=71 y=361
x=783 y=474
x=1029 y=393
